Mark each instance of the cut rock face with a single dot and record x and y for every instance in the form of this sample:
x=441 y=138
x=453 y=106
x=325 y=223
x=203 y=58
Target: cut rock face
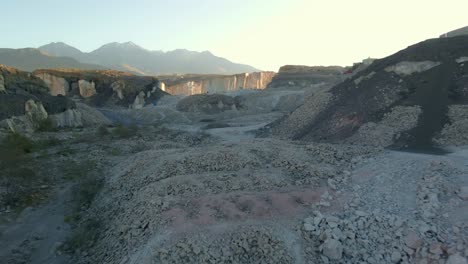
x=57 y=85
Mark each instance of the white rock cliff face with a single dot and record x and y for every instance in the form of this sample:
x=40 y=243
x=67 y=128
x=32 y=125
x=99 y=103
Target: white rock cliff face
x=218 y=84
x=87 y=89
x=57 y=85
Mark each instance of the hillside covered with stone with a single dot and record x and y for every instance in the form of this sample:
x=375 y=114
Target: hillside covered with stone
x=412 y=98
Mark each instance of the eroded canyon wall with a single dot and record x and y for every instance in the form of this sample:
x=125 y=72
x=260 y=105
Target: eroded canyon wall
x=102 y=87
x=202 y=84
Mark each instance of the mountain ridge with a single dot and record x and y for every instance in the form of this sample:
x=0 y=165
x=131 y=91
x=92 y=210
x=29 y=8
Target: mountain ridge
x=128 y=55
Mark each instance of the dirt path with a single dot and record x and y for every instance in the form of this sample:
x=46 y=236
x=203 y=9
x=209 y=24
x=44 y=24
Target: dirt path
x=37 y=233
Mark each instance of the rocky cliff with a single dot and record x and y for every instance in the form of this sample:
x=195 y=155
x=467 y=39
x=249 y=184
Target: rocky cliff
x=295 y=76
x=202 y=84
x=101 y=88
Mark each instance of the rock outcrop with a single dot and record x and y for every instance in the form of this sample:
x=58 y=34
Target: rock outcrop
x=203 y=84
x=139 y=102
x=56 y=84
x=69 y=118
x=26 y=100
x=294 y=76
x=99 y=88
x=35 y=111
x=402 y=100
x=2 y=84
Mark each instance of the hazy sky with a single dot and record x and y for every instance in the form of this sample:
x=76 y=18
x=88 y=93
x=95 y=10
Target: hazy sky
x=263 y=33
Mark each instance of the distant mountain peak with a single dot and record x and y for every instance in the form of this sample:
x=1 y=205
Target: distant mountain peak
x=121 y=45
x=60 y=49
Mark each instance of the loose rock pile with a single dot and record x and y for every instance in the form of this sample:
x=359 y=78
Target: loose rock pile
x=361 y=237
x=248 y=245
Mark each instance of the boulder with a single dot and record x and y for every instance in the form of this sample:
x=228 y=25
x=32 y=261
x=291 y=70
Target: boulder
x=456 y=259
x=463 y=193
x=35 y=112
x=332 y=249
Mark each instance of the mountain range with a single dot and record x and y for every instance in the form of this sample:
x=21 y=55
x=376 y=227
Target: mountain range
x=121 y=56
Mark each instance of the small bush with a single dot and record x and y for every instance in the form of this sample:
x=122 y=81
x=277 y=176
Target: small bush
x=18 y=172
x=115 y=152
x=16 y=144
x=46 y=125
x=122 y=131
x=102 y=131
x=46 y=143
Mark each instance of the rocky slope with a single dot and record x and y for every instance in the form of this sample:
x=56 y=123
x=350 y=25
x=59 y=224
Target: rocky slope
x=131 y=57
x=202 y=84
x=102 y=88
x=458 y=32
x=404 y=99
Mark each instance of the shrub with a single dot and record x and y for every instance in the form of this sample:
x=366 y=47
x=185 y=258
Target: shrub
x=18 y=174
x=46 y=125
x=115 y=152
x=16 y=144
x=46 y=143
x=122 y=131
x=102 y=131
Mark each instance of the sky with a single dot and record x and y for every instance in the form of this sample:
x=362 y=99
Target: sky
x=263 y=33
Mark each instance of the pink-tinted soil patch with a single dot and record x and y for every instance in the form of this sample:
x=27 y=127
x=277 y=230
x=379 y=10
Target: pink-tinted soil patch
x=241 y=206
